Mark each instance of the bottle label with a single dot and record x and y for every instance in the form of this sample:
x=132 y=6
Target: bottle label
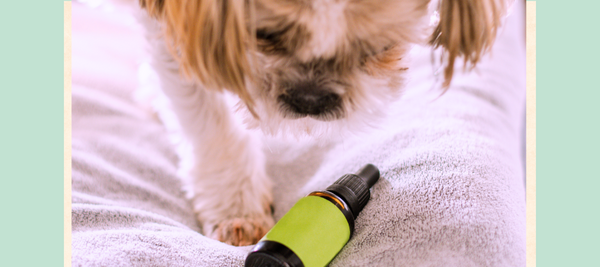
x=314 y=229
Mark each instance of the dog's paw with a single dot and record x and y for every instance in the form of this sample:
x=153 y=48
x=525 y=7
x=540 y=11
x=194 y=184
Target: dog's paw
x=229 y=188
x=235 y=211
x=242 y=231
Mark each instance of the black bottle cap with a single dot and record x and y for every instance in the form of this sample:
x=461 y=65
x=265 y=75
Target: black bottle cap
x=269 y=253
x=354 y=188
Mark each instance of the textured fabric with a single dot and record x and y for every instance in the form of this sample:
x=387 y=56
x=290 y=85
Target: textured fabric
x=451 y=191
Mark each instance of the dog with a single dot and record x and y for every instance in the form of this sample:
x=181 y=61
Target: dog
x=298 y=67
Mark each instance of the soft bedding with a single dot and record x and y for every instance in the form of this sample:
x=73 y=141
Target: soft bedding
x=451 y=191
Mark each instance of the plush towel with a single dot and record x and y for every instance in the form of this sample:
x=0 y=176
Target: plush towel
x=451 y=191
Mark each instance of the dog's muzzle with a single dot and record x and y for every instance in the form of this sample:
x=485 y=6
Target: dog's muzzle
x=308 y=100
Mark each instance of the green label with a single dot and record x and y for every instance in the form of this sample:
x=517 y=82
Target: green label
x=314 y=228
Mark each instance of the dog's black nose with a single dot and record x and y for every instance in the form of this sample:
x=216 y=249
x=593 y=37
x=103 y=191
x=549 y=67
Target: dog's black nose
x=307 y=99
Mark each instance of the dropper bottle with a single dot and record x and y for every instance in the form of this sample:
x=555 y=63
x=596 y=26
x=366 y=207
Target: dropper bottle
x=318 y=226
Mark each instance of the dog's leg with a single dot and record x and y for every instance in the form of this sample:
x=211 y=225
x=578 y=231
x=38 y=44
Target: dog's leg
x=230 y=191
x=224 y=163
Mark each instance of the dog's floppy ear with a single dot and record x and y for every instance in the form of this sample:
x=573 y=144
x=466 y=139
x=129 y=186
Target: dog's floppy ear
x=467 y=28
x=209 y=39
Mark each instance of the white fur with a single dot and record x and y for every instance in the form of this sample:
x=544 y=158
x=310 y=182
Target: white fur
x=328 y=23
x=222 y=164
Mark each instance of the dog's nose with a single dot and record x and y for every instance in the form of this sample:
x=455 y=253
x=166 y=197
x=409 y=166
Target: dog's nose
x=309 y=100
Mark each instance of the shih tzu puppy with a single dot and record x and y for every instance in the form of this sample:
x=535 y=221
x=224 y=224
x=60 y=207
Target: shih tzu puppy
x=298 y=67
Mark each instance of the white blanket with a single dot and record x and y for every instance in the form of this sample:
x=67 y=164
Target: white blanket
x=451 y=191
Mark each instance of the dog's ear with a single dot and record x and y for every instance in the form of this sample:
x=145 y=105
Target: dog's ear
x=467 y=28
x=209 y=38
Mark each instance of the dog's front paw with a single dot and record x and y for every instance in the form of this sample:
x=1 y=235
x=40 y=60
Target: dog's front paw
x=242 y=231
x=229 y=188
x=233 y=205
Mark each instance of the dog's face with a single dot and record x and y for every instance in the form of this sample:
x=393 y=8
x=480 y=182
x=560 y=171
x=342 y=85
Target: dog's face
x=331 y=61
x=312 y=63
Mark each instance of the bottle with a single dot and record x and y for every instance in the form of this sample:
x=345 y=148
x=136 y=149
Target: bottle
x=318 y=226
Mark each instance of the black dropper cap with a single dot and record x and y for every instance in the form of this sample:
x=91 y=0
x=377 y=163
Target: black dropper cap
x=354 y=188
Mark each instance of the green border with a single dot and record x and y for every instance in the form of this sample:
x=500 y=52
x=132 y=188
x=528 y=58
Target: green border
x=31 y=147
x=568 y=133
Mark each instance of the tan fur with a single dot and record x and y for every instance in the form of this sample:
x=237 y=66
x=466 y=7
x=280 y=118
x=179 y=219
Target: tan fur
x=467 y=28
x=210 y=39
x=386 y=62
